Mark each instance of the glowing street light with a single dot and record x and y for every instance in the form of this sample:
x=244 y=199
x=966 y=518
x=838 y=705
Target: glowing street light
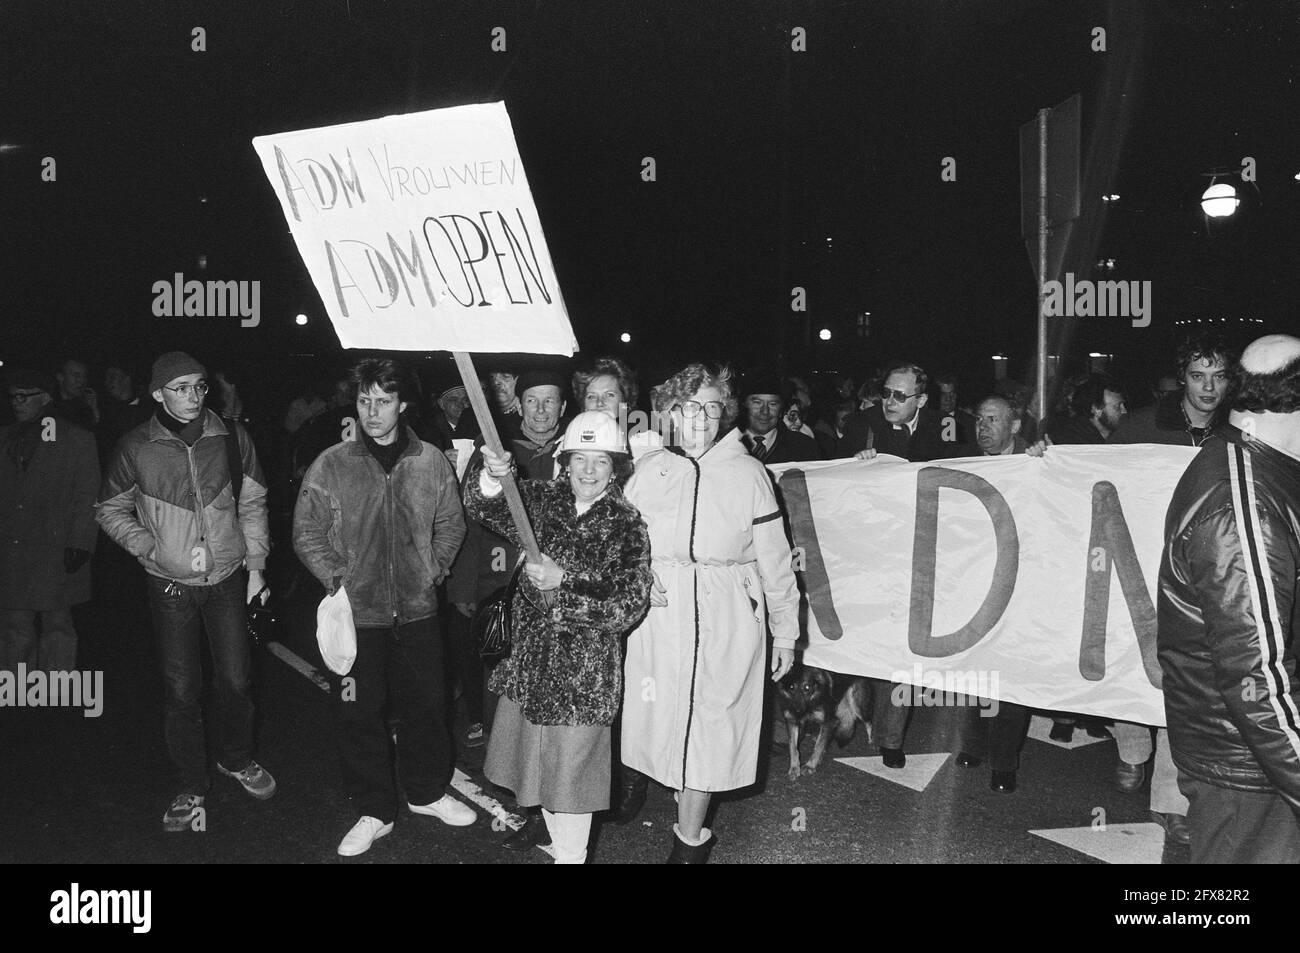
x=824 y=334
x=1219 y=200
x=301 y=320
x=625 y=338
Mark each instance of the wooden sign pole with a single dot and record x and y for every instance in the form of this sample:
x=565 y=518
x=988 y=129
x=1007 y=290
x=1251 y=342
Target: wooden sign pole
x=478 y=400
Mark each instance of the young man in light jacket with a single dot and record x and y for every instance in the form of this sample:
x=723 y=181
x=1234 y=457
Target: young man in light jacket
x=168 y=499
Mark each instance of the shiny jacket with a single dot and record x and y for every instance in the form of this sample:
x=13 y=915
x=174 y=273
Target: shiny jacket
x=171 y=506
x=389 y=537
x=1227 y=609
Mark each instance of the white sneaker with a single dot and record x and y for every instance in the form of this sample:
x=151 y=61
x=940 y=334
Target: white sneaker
x=448 y=810
x=364 y=833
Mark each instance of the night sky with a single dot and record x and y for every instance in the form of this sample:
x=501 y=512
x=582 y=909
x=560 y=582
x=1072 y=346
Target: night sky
x=762 y=154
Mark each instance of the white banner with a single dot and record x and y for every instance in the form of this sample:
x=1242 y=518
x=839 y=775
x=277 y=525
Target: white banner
x=1029 y=580
x=420 y=233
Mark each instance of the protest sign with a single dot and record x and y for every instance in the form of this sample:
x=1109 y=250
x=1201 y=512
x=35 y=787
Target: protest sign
x=420 y=232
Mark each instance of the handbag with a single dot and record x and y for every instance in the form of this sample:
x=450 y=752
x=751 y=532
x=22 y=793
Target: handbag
x=494 y=622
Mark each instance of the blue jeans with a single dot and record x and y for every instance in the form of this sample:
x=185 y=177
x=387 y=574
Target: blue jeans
x=177 y=610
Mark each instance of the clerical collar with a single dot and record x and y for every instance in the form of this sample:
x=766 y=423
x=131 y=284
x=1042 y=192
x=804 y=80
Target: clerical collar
x=911 y=424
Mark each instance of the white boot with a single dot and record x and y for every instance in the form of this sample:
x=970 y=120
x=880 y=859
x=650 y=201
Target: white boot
x=569 y=836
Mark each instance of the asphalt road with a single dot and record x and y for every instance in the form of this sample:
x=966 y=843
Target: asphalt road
x=92 y=790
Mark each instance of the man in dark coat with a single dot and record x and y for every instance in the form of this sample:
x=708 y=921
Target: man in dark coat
x=995 y=733
x=763 y=433
x=1185 y=417
x=49 y=474
x=899 y=425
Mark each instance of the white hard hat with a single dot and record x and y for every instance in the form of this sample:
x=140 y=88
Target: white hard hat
x=594 y=430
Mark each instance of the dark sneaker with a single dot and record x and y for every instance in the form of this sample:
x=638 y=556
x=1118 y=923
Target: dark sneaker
x=186 y=809
x=255 y=779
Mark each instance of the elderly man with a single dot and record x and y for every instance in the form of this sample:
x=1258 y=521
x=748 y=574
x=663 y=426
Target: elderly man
x=168 y=499
x=995 y=732
x=900 y=425
x=763 y=434
x=1225 y=620
x=49 y=473
x=1185 y=417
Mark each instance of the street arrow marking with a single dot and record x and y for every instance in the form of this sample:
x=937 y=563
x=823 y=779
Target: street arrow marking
x=1040 y=729
x=916 y=774
x=1115 y=843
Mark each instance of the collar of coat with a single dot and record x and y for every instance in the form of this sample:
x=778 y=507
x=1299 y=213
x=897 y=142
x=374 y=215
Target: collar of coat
x=213 y=426
x=728 y=447
x=1169 y=414
x=357 y=447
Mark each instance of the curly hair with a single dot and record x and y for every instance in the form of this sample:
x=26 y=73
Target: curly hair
x=689 y=380
x=616 y=369
x=1277 y=392
x=1203 y=346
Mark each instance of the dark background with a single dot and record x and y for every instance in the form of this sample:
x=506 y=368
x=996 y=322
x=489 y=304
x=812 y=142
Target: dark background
x=762 y=155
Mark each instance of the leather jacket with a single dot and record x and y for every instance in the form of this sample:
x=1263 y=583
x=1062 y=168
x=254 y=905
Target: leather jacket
x=1226 y=610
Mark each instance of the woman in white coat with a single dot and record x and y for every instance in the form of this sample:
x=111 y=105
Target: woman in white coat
x=693 y=692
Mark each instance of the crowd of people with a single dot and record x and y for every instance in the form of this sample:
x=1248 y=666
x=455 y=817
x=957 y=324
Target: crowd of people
x=663 y=602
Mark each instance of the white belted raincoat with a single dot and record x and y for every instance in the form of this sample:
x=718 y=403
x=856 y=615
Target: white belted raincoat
x=693 y=693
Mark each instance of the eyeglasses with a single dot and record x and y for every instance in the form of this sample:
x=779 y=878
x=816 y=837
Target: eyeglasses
x=899 y=396
x=199 y=389
x=713 y=409
x=20 y=398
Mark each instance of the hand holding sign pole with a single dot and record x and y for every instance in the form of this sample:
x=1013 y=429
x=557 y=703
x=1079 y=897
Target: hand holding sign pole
x=420 y=234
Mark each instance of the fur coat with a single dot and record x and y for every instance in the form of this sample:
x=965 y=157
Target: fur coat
x=565 y=666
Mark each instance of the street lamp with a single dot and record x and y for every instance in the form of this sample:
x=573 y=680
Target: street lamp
x=1219 y=200
x=301 y=320
x=625 y=338
x=824 y=334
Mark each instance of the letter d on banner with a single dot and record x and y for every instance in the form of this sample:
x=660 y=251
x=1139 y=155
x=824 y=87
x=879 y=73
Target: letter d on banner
x=929 y=480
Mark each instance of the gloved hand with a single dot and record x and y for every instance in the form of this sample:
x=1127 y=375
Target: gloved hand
x=74 y=559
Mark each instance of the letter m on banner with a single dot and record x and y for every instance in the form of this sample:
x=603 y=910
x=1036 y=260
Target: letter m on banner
x=1110 y=544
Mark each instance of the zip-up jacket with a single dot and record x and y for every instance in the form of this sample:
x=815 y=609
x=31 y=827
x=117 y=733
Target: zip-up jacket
x=1227 y=610
x=172 y=507
x=388 y=537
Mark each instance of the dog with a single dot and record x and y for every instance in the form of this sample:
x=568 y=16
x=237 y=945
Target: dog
x=811 y=696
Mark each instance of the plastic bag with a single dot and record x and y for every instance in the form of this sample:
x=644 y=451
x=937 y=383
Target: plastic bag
x=335 y=632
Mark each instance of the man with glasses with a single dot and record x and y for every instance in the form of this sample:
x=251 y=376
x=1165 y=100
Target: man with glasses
x=903 y=426
x=48 y=476
x=900 y=424
x=167 y=500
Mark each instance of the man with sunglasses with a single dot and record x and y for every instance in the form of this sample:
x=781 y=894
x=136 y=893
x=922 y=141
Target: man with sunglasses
x=900 y=424
x=167 y=499
x=903 y=426
x=48 y=476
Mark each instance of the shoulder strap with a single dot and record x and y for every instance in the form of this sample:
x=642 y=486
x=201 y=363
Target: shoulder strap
x=234 y=461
